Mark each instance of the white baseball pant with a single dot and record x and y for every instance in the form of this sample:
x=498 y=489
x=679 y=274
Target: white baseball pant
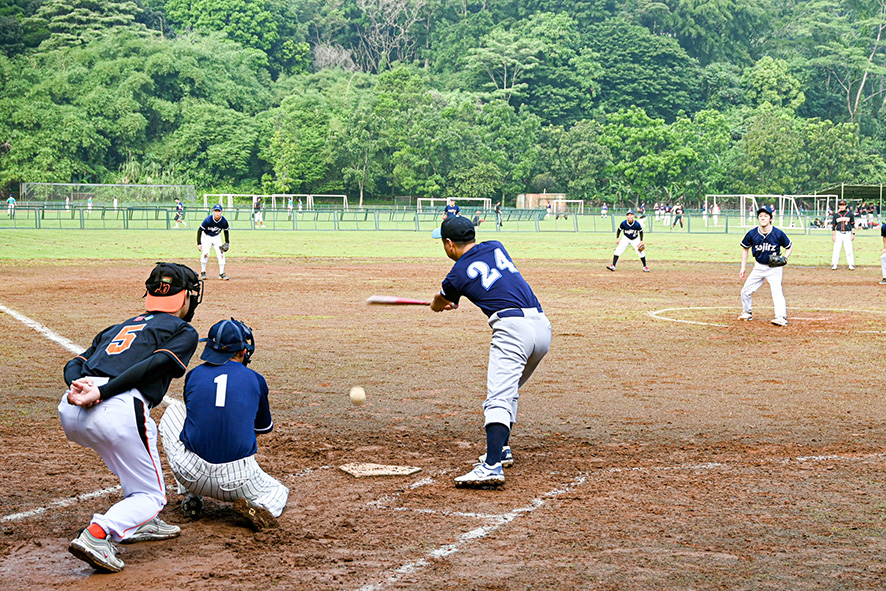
x=206 y=244
x=623 y=245
x=883 y=264
x=124 y=435
x=771 y=274
x=843 y=240
x=225 y=482
x=518 y=345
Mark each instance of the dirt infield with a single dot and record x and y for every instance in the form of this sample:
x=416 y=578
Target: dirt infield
x=662 y=444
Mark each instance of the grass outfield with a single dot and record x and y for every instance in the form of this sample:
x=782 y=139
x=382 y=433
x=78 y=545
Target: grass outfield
x=35 y=246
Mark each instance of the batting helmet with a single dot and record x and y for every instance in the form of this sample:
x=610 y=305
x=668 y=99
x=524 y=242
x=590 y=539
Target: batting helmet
x=227 y=338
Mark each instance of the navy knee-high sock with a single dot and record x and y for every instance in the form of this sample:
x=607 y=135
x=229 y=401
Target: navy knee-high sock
x=496 y=436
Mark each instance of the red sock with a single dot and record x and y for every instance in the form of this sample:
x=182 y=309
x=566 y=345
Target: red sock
x=96 y=531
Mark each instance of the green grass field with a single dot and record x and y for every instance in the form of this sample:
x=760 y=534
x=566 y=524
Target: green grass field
x=46 y=246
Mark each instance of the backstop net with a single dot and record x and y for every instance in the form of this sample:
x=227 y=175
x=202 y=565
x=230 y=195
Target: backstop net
x=104 y=194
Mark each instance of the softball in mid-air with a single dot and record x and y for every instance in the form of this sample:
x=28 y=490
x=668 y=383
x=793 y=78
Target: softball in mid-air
x=358 y=395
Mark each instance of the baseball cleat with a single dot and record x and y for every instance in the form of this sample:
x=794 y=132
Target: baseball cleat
x=152 y=531
x=507 y=458
x=780 y=321
x=258 y=516
x=482 y=476
x=852 y=268
x=746 y=316
x=203 y=275
x=192 y=506
x=610 y=267
x=645 y=269
x=833 y=267
x=223 y=277
x=883 y=281
x=100 y=554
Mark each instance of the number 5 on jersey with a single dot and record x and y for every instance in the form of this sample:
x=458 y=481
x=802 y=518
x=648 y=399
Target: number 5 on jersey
x=124 y=339
x=489 y=276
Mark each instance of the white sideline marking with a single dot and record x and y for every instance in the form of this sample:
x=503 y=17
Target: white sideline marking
x=44 y=331
x=61 y=503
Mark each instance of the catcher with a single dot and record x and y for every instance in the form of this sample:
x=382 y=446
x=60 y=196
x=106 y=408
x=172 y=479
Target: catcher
x=766 y=241
x=632 y=232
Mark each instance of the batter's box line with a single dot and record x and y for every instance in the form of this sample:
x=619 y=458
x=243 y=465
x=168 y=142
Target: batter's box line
x=657 y=314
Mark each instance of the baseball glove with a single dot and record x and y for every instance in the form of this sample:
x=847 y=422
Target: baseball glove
x=225 y=247
x=641 y=247
x=778 y=260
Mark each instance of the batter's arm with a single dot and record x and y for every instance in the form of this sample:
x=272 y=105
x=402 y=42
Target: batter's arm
x=440 y=303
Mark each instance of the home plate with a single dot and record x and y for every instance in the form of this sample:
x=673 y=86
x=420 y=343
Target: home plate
x=364 y=469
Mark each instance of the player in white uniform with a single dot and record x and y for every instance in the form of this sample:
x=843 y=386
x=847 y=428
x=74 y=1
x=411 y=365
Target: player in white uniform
x=209 y=236
x=843 y=233
x=210 y=440
x=765 y=240
x=633 y=235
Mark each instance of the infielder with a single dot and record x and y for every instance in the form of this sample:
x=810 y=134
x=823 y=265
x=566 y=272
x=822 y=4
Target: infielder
x=210 y=439
x=521 y=335
x=766 y=241
x=633 y=235
x=843 y=233
x=209 y=235
x=112 y=387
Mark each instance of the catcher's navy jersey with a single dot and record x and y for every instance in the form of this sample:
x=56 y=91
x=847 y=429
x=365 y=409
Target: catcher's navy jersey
x=119 y=347
x=765 y=245
x=631 y=231
x=486 y=275
x=214 y=228
x=226 y=406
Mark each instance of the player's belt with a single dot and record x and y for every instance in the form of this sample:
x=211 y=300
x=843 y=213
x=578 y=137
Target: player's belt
x=521 y=312
x=844 y=231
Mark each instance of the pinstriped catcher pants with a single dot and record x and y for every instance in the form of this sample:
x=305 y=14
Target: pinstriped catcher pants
x=225 y=482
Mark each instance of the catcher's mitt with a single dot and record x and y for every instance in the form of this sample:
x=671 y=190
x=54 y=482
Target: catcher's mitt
x=778 y=260
x=225 y=247
x=641 y=247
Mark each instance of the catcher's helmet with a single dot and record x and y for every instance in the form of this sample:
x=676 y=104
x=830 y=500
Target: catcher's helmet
x=226 y=338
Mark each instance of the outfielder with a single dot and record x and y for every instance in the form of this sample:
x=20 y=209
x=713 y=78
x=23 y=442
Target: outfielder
x=209 y=235
x=112 y=387
x=179 y=213
x=843 y=233
x=521 y=335
x=451 y=210
x=257 y=216
x=210 y=439
x=766 y=241
x=633 y=235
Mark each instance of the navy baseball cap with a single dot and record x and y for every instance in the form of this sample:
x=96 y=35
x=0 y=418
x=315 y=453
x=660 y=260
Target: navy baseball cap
x=765 y=209
x=457 y=229
x=168 y=287
x=227 y=338
x=630 y=212
x=217 y=207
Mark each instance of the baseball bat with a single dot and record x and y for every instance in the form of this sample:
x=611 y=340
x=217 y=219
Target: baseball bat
x=394 y=301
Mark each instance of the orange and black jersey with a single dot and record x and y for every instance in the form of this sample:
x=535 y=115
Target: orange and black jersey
x=144 y=352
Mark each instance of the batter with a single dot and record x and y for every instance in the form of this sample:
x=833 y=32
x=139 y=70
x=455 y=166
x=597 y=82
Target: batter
x=521 y=335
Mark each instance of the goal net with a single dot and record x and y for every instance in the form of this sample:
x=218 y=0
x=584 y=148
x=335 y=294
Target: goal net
x=104 y=194
x=339 y=202
x=468 y=205
x=790 y=210
x=573 y=206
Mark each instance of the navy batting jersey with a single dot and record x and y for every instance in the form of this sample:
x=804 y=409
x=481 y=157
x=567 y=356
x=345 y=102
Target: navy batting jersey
x=226 y=406
x=486 y=275
x=765 y=245
x=631 y=231
x=119 y=347
x=883 y=230
x=452 y=210
x=214 y=228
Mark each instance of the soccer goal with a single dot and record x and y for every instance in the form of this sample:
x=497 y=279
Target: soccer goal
x=467 y=204
x=105 y=194
x=788 y=212
x=339 y=202
x=567 y=206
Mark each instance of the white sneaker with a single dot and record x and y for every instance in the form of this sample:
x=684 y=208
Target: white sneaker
x=833 y=267
x=482 y=476
x=746 y=316
x=852 y=268
x=153 y=530
x=507 y=458
x=780 y=321
x=100 y=554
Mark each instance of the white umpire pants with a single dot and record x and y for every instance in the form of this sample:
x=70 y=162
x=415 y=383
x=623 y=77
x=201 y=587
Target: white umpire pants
x=124 y=435
x=844 y=240
x=759 y=274
x=623 y=245
x=206 y=244
x=518 y=346
x=225 y=482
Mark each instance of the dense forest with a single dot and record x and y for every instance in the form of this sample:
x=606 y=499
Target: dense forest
x=605 y=100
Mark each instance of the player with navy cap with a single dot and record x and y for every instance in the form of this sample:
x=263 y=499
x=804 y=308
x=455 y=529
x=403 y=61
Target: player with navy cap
x=210 y=440
x=765 y=240
x=521 y=335
x=633 y=235
x=209 y=236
